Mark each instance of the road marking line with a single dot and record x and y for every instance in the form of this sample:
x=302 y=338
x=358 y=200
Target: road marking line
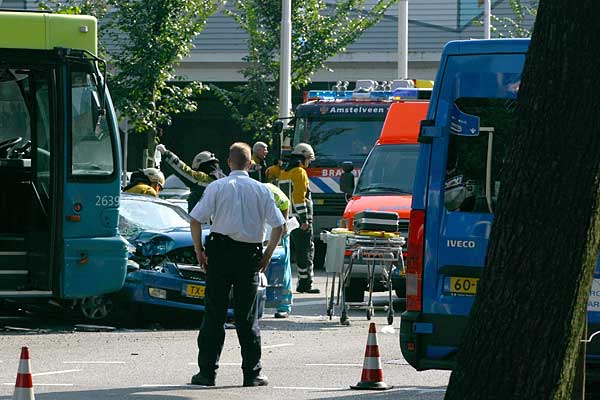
x=333 y=365
x=307 y=388
x=56 y=372
x=53 y=384
x=308 y=303
x=167 y=385
x=93 y=362
x=277 y=345
x=221 y=363
x=313 y=317
x=43 y=384
x=396 y=362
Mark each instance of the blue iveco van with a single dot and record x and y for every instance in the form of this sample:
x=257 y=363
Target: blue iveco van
x=462 y=143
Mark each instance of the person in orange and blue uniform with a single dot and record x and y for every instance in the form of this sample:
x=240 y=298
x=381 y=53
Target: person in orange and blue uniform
x=284 y=308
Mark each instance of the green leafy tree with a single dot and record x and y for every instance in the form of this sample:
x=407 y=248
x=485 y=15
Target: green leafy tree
x=319 y=31
x=516 y=26
x=149 y=39
x=152 y=36
x=524 y=331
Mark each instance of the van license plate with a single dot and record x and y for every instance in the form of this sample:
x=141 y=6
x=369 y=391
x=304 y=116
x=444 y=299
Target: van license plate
x=463 y=285
x=196 y=291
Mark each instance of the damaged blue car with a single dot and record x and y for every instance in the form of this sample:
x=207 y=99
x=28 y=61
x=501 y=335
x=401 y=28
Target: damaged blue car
x=162 y=271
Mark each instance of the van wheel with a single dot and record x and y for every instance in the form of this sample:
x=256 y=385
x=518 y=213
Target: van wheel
x=355 y=292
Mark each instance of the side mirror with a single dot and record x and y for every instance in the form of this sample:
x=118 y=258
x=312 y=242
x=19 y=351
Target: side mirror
x=277 y=140
x=277 y=127
x=347 y=178
x=463 y=124
x=97 y=112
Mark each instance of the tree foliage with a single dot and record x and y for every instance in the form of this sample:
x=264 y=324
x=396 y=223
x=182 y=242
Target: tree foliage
x=151 y=37
x=144 y=41
x=319 y=30
x=515 y=26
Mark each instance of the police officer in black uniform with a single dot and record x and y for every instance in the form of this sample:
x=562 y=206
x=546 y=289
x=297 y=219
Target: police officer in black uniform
x=239 y=207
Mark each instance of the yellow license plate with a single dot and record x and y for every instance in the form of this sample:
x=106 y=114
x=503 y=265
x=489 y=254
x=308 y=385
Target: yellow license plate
x=463 y=285
x=196 y=291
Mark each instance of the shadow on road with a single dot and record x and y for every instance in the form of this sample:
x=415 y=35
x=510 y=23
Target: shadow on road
x=141 y=393
x=153 y=393
x=18 y=319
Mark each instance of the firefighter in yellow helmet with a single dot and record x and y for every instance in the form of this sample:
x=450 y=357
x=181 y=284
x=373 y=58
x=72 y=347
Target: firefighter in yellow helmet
x=148 y=181
x=294 y=180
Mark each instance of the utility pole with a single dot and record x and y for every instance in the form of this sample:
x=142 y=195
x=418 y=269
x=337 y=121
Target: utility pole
x=125 y=151
x=285 y=61
x=403 y=39
x=487 y=16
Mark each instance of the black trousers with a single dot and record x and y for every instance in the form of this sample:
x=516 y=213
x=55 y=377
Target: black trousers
x=304 y=249
x=230 y=264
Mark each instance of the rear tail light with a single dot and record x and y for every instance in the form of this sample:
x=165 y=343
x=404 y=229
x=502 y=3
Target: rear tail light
x=414 y=261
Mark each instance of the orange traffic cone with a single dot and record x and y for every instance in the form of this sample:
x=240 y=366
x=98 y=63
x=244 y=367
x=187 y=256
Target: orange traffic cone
x=24 y=385
x=372 y=375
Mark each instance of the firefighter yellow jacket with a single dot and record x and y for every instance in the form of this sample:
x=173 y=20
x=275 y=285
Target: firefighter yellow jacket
x=273 y=173
x=295 y=181
x=189 y=176
x=142 y=188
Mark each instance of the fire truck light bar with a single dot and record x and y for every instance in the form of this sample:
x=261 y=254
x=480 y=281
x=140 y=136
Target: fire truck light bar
x=349 y=95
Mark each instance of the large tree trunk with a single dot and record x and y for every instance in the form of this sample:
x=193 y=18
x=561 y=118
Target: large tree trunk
x=527 y=321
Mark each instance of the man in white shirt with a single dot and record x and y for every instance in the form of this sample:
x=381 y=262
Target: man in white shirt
x=239 y=208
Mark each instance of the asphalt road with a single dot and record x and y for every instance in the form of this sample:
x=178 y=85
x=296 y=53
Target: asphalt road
x=307 y=356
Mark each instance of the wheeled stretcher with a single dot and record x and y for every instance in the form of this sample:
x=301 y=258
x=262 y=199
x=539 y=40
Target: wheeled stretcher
x=375 y=249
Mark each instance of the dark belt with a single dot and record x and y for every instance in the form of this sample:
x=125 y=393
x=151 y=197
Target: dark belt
x=227 y=239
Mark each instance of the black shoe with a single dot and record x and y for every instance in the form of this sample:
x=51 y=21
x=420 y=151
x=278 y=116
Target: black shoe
x=309 y=290
x=281 y=314
x=259 y=380
x=202 y=380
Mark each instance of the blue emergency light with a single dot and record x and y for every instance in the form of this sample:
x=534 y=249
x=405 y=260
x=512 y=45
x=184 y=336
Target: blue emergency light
x=405 y=93
x=381 y=95
x=330 y=95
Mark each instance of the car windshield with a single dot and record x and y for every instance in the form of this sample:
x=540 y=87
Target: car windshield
x=390 y=168
x=340 y=140
x=173 y=182
x=137 y=215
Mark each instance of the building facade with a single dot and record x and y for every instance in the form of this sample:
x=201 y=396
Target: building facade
x=217 y=55
x=219 y=49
